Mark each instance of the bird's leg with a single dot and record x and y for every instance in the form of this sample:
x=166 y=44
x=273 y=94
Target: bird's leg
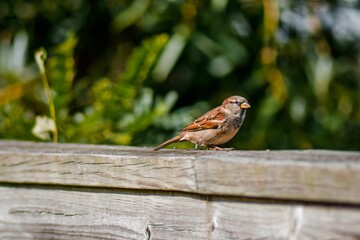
x=217 y=148
x=196 y=146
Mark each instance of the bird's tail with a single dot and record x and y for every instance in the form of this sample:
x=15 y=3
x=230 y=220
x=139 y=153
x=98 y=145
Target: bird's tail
x=172 y=140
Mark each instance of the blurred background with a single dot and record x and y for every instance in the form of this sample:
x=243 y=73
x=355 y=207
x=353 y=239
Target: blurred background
x=134 y=72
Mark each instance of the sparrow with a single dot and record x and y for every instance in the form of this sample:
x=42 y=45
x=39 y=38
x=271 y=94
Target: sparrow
x=215 y=127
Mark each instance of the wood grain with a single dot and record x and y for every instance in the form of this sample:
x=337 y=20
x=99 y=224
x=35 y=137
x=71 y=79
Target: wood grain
x=62 y=214
x=263 y=220
x=73 y=213
x=282 y=175
x=312 y=175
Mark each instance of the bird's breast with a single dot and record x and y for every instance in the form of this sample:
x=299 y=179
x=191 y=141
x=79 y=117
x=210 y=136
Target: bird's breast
x=238 y=120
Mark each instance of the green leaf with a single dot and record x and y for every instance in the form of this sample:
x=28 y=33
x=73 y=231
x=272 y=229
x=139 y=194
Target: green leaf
x=138 y=66
x=61 y=71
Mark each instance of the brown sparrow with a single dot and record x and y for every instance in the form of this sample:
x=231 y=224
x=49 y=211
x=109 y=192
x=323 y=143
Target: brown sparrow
x=215 y=127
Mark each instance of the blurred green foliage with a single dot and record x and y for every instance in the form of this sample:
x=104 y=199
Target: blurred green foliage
x=134 y=72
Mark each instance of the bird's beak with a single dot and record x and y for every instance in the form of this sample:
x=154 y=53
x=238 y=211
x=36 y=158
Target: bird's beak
x=245 y=105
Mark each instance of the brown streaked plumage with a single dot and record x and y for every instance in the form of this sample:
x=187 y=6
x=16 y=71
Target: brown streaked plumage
x=215 y=127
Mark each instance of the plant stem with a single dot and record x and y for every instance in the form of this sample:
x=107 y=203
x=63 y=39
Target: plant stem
x=40 y=57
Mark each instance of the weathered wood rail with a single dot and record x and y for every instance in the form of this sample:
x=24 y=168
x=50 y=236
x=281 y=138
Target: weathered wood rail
x=71 y=191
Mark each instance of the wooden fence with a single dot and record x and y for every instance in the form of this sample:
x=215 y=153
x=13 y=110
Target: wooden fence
x=71 y=191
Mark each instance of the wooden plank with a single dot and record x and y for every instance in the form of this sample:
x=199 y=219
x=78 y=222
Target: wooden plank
x=312 y=175
x=36 y=213
x=40 y=213
x=261 y=220
x=298 y=175
x=89 y=165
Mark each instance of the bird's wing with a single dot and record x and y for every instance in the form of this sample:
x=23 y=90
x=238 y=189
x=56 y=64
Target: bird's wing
x=210 y=120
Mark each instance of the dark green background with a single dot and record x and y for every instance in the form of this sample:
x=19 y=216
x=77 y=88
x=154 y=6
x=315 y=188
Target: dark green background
x=134 y=72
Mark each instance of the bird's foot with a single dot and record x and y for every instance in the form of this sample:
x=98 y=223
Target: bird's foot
x=216 y=148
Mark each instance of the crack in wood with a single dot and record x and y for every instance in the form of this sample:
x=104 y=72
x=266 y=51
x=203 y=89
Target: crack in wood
x=148 y=233
x=40 y=211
